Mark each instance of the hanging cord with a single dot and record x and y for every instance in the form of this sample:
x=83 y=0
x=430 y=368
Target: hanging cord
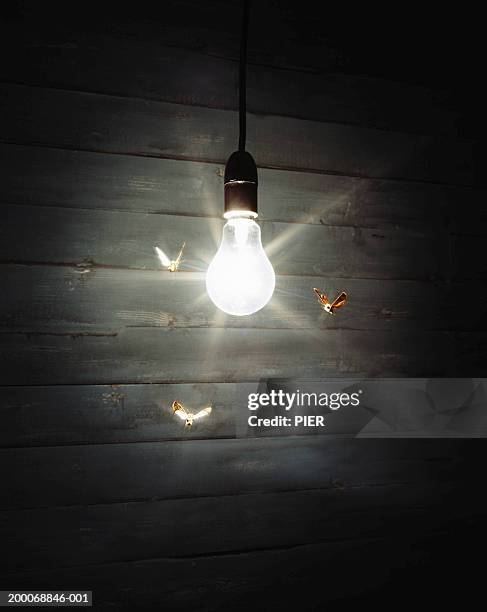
x=242 y=107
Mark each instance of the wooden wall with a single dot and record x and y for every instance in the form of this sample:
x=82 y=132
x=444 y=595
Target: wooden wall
x=113 y=139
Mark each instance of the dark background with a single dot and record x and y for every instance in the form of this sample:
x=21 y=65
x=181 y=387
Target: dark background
x=115 y=125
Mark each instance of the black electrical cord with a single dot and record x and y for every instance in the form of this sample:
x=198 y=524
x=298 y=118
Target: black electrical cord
x=242 y=107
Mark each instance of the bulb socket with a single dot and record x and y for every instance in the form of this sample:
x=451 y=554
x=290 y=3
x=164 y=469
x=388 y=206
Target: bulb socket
x=240 y=185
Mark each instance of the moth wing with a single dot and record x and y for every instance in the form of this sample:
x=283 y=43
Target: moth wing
x=321 y=296
x=176 y=405
x=340 y=301
x=182 y=414
x=180 y=411
x=163 y=258
x=202 y=413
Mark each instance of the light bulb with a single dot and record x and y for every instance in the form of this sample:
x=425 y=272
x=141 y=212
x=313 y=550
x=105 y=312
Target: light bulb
x=240 y=279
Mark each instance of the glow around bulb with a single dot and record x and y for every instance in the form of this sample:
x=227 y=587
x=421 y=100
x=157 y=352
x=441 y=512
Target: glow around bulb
x=240 y=279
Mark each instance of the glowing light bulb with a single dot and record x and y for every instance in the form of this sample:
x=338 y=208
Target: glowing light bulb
x=240 y=279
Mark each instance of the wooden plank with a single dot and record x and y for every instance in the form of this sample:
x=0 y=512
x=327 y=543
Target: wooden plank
x=371 y=570
x=138 y=67
x=191 y=25
x=97 y=414
x=106 y=414
x=79 y=179
x=54 y=298
x=214 y=525
x=160 y=355
x=160 y=129
x=114 y=238
x=70 y=475
x=292 y=37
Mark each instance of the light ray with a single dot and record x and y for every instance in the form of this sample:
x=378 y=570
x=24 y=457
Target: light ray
x=279 y=242
x=289 y=316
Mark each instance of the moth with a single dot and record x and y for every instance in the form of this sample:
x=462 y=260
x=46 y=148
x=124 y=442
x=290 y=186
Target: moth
x=328 y=306
x=186 y=416
x=171 y=264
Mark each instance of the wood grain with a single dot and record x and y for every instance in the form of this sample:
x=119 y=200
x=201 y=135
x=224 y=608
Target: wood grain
x=114 y=238
x=160 y=129
x=57 y=298
x=62 y=415
x=121 y=532
x=144 y=68
x=226 y=355
x=114 y=142
x=107 y=414
x=280 y=576
x=106 y=473
x=79 y=179
x=188 y=24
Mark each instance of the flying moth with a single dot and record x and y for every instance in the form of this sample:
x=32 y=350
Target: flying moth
x=171 y=264
x=328 y=306
x=186 y=416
